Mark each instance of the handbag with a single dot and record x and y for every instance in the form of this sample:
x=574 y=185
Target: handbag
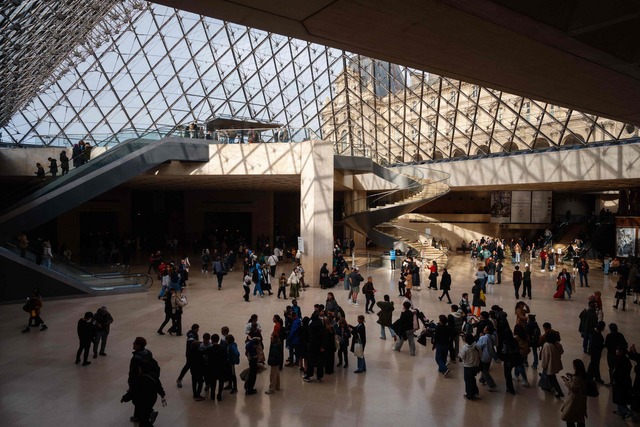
x=244 y=374
x=358 y=351
x=337 y=340
x=483 y=297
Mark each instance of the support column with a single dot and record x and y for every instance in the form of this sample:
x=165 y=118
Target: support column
x=316 y=207
x=359 y=197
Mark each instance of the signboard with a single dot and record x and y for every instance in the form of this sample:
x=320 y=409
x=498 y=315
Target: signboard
x=625 y=241
x=541 y=204
x=501 y=207
x=521 y=207
x=300 y=244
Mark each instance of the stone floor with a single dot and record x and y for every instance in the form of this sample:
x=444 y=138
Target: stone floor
x=41 y=386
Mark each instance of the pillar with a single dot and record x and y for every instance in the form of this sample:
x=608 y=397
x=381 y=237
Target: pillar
x=316 y=207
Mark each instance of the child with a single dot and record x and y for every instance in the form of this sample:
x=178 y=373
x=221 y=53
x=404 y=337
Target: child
x=464 y=303
x=282 y=286
x=246 y=285
x=470 y=355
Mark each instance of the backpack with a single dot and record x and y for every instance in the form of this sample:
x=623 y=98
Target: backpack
x=255 y=276
x=534 y=335
x=592 y=388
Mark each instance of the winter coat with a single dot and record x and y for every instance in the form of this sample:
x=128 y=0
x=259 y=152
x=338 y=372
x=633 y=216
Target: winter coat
x=445 y=282
x=551 y=358
x=385 y=313
x=574 y=407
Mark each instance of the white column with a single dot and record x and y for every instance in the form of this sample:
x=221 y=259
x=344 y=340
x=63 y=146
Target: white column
x=316 y=207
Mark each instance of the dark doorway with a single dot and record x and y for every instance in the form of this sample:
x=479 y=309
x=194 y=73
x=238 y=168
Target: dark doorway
x=226 y=229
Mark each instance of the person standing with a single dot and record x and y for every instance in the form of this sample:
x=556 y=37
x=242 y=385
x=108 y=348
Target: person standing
x=168 y=310
x=359 y=334
x=23 y=244
x=218 y=269
x=392 y=258
x=612 y=342
x=53 y=167
x=621 y=382
x=499 y=268
x=177 y=303
x=47 y=255
x=385 y=316
x=433 y=275
x=143 y=384
x=369 y=293
x=487 y=344
x=470 y=355
x=102 y=321
x=517 y=280
x=64 y=163
x=445 y=285
x=588 y=320
x=272 y=261
x=246 y=285
x=551 y=356
x=253 y=350
x=39 y=171
x=441 y=338
x=275 y=361
x=583 y=272
x=597 y=345
x=354 y=285
x=526 y=282
x=282 y=286
x=404 y=327
x=574 y=408
x=34 y=307
x=86 y=335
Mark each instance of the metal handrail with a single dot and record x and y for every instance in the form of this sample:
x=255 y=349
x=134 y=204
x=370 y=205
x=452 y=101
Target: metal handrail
x=419 y=183
x=146 y=280
x=247 y=135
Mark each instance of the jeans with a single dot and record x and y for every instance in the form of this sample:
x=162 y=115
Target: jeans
x=470 y=385
x=46 y=262
x=219 y=276
x=586 y=340
x=369 y=303
x=101 y=338
x=584 y=276
x=343 y=354
x=594 y=366
x=492 y=279
x=517 y=258
x=516 y=288
x=167 y=317
x=485 y=375
x=282 y=291
x=258 y=289
x=83 y=347
x=534 y=350
x=526 y=289
x=383 y=335
x=410 y=338
x=253 y=373
x=247 y=291
x=542 y=264
x=362 y=365
x=520 y=371
x=441 y=357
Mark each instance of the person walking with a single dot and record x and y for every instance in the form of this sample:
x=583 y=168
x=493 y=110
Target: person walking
x=404 y=327
x=102 y=321
x=218 y=269
x=369 y=293
x=86 y=334
x=517 y=280
x=384 y=316
x=551 y=355
x=526 y=282
x=34 y=307
x=445 y=285
x=470 y=355
x=487 y=344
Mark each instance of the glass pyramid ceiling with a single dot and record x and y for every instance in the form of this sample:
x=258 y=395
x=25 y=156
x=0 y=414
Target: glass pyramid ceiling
x=160 y=66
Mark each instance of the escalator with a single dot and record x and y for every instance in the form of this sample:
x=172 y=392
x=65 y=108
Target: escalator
x=114 y=167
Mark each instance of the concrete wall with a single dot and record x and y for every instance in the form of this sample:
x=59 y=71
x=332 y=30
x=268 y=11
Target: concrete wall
x=598 y=163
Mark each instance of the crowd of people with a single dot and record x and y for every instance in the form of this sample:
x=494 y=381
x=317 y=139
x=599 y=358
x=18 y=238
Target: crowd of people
x=468 y=333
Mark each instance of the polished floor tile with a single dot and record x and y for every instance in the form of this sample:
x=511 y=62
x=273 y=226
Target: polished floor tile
x=41 y=385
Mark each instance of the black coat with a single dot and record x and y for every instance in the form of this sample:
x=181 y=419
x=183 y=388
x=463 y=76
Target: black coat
x=359 y=333
x=86 y=331
x=445 y=281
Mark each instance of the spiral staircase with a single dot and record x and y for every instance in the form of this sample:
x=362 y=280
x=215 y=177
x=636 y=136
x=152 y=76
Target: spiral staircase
x=374 y=215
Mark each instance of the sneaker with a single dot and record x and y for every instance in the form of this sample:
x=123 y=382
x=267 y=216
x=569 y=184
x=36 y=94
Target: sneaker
x=179 y=384
x=86 y=363
x=269 y=392
x=356 y=304
x=198 y=398
x=306 y=379
x=446 y=373
x=44 y=327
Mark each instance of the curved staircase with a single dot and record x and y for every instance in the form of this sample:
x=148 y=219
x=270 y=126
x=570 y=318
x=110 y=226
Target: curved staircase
x=373 y=215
